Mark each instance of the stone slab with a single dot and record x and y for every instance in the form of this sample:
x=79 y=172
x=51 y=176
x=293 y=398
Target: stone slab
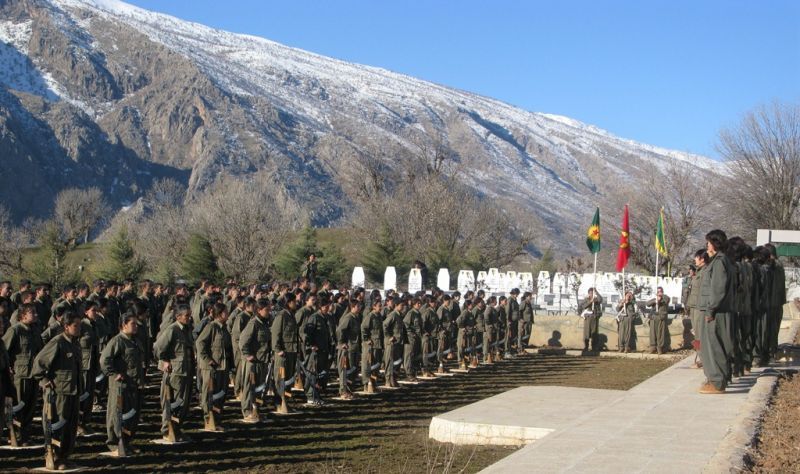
x=519 y=416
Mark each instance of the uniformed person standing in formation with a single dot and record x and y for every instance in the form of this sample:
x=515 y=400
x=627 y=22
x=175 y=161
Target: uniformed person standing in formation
x=174 y=349
x=659 y=324
x=693 y=298
x=90 y=349
x=23 y=344
x=319 y=342
x=255 y=348
x=527 y=321
x=627 y=317
x=285 y=344
x=371 y=345
x=716 y=303
x=412 y=322
x=215 y=360
x=122 y=362
x=58 y=368
x=590 y=309
x=393 y=336
x=347 y=333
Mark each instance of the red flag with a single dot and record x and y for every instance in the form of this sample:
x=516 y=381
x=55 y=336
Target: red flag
x=624 y=245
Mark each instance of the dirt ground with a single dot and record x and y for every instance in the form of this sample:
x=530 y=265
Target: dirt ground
x=383 y=433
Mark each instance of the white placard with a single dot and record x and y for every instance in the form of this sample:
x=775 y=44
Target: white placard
x=390 y=279
x=526 y=281
x=358 y=279
x=443 y=279
x=493 y=279
x=482 y=283
x=414 y=281
x=466 y=281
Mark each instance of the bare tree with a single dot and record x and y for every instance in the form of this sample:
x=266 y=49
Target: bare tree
x=166 y=193
x=762 y=153
x=79 y=211
x=686 y=198
x=246 y=221
x=12 y=242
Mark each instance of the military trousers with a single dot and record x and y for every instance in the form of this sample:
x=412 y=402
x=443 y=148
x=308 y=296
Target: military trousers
x=26 y=390
x=591 y=332
x=116 y=411
x=370 y=356
x=285 y=366
x=716 y=364
x=214 y=385
x=66 y=408
x=411 y=356
x=659 y=333
x=389 y=355
x=254 y=375
x=180 y=388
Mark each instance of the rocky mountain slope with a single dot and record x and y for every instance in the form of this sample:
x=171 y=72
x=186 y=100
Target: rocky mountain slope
x=99 y=92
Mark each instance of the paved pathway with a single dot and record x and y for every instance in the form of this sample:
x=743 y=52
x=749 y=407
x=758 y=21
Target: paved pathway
x=661 y=425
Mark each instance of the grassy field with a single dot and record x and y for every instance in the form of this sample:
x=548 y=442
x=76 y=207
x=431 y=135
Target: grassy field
x=383 y=433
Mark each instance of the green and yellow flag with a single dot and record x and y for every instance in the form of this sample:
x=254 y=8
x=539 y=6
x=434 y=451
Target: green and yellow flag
x=593 y=234
x=661 y=239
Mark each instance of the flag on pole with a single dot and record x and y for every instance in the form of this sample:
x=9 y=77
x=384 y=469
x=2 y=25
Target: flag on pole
x=661 y=239
x=593 y=235
x=624 y=252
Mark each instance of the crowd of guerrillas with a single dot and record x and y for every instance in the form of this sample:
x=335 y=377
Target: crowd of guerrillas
x=89 y=349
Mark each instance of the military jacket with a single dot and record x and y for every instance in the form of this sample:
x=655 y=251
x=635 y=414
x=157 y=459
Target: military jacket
x=413 y=324
x=285 y=335
x=90 y=345
x=512 y=310
x=60 y=362
x=214 y=347
x=22 y=344
x=372 y=329
x=317 y=332
x=347 y=332
x=123 y=356
x=393 y=327
x=256 y=340
x=175 y=346
x=718 y=286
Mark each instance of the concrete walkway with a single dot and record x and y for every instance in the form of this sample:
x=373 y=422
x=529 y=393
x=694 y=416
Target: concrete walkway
x=660 y=426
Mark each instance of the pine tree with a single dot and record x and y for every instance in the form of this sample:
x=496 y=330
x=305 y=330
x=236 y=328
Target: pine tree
x=332 y=265
x=290 y=258
x=384 y=252
x=49 y=264
x=121 y=260
x=199 y=260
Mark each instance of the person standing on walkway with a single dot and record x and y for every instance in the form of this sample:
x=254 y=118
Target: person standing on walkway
x=716 y=302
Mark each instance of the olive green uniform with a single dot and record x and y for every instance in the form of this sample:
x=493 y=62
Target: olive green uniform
x=466 y=330
x=430 y=332
x=371 y=345
x=240 y=320
x=526 y=331
x=23 y=344
x=90 y=349
x=392 y=339
x=123 y=357
x=412 y=322
x=627 y=327
x=215 y=360
x=317 y=334
x=285 y=339
x=659 y=325
x=347 y=333
x=254 y=343
x=60 y=363
x=716 y=300
x=591 y=323
x=174 y=345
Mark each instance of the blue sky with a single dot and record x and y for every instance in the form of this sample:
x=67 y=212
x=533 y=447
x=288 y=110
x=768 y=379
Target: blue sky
x=669 y=73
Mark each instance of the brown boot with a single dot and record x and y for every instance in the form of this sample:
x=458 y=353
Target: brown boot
x=710 y=389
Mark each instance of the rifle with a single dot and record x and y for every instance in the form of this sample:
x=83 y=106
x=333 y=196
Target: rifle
x=49 y=427
x=344 y=365
x=121 y=451
x=264 y=388
x=11 y=422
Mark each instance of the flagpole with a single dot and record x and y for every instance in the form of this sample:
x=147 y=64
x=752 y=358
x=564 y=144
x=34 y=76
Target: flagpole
x=656 y=288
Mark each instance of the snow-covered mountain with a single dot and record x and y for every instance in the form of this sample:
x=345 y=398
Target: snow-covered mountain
x=99 y=92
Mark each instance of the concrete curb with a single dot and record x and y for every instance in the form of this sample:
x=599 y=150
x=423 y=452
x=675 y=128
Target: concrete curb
x=730 y=455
